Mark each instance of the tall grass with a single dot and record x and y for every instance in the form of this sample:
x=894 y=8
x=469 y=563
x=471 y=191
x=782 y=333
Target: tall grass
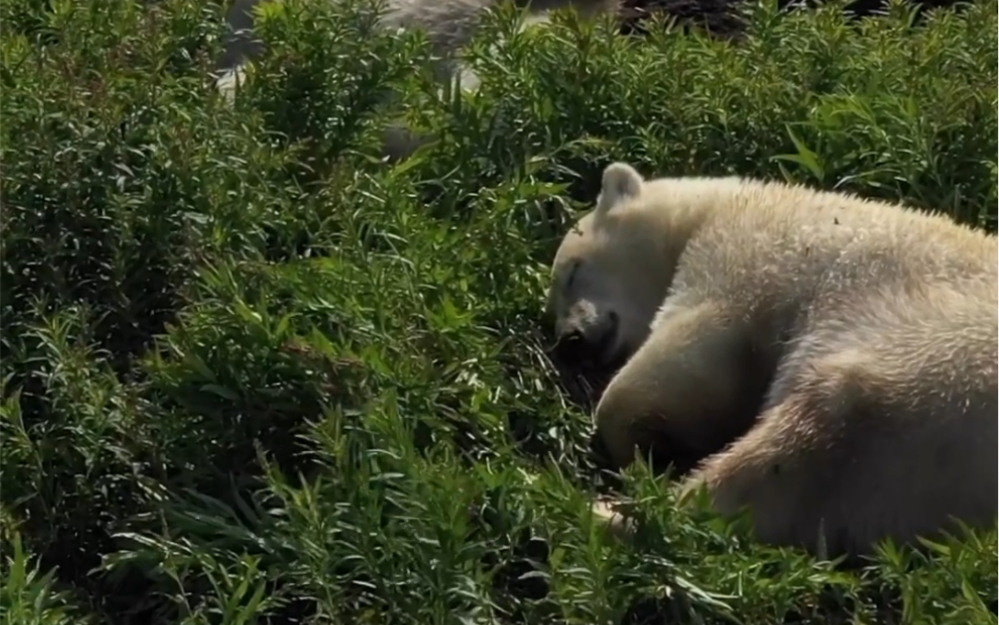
x=253 y=375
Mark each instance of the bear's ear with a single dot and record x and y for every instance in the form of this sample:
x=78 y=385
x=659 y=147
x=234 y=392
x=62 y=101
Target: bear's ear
x=620 y=182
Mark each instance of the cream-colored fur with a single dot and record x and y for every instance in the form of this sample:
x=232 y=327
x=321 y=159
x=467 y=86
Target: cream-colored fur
x=449 y=25
x=828 y=362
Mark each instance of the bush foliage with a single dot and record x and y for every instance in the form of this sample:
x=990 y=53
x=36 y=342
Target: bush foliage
x=252 y=374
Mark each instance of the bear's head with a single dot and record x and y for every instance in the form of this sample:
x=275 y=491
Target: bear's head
x=611 y=273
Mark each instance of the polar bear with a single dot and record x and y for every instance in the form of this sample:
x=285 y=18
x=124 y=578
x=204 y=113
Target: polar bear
x=826 y=362
x=449 y=25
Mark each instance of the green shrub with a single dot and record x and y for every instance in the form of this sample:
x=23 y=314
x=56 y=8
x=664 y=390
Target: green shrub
x=251 y=374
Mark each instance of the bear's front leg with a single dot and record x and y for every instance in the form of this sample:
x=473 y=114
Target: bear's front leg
x=850 y=457
x=780 y=477
x=689 y=390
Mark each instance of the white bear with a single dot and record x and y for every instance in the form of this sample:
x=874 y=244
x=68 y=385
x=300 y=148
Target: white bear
x=826 y=362
x=449 y=25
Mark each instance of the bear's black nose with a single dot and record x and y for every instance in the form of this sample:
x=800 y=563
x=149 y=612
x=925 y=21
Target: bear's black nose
x=571 y=345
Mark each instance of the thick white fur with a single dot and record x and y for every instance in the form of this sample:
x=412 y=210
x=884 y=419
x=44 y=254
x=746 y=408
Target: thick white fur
x=829 y=362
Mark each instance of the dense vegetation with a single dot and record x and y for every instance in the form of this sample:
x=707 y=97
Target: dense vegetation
x=251 y=374
x=725 y=18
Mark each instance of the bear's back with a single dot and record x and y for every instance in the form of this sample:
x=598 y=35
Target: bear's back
x=776 y=249
x=763 y=232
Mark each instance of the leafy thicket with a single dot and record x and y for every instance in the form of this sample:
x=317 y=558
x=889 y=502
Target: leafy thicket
x=251 y=374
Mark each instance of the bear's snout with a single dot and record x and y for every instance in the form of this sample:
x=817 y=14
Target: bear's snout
x=591 y=342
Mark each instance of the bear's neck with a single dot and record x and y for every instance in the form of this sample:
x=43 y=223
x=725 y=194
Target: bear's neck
x=681 y=225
